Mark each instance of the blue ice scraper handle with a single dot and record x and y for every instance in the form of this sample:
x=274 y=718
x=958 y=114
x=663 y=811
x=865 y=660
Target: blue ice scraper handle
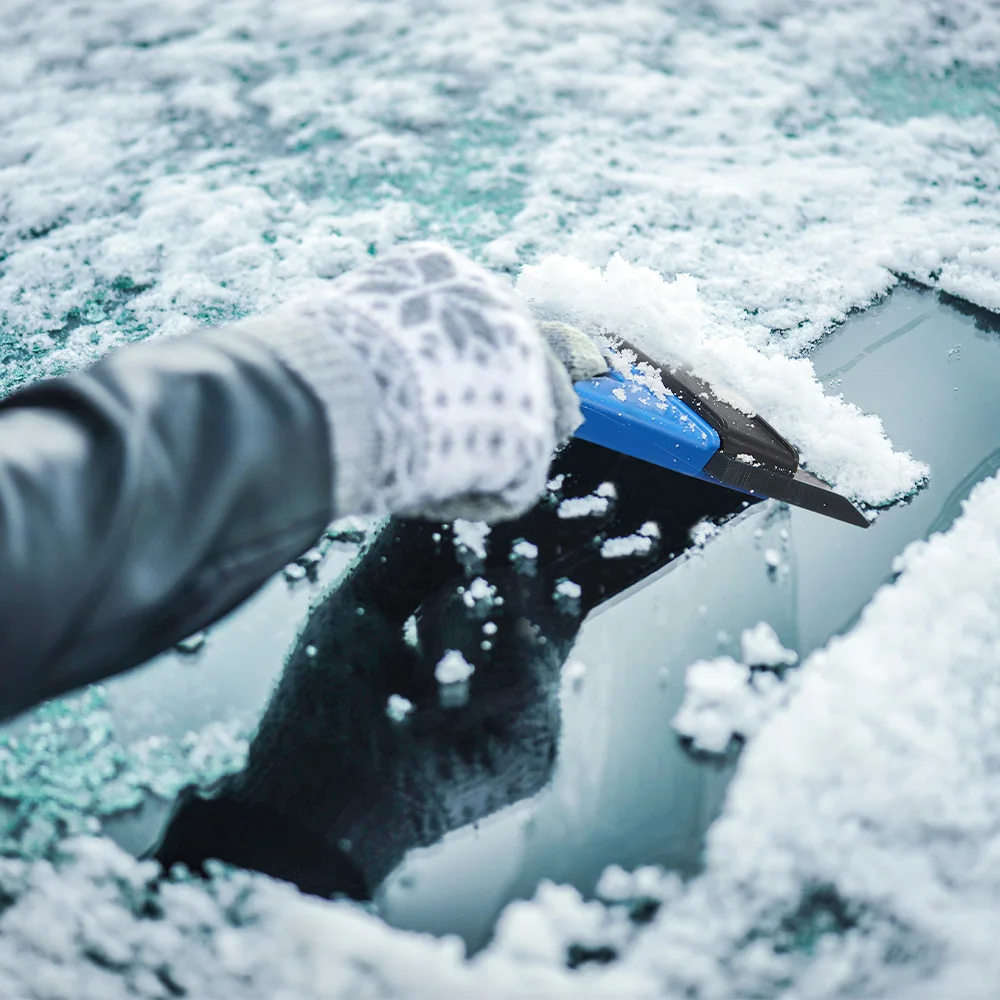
x=665 y=431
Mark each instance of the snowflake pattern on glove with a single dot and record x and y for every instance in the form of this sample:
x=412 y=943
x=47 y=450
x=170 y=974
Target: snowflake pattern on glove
x=464 y=412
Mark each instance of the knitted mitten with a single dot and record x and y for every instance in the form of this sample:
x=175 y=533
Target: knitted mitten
x=443 y=399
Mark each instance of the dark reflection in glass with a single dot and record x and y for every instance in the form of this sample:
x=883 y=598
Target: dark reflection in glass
x=336 y=790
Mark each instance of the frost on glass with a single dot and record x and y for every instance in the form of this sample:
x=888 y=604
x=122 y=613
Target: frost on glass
x=62 y=770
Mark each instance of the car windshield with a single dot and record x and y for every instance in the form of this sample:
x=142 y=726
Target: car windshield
x=656 y=735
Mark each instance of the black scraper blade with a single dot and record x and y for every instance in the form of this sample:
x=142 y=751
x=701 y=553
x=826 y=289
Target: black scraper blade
x=753 y=456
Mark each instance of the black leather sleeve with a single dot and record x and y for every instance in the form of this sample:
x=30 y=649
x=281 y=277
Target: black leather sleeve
x=144 y=498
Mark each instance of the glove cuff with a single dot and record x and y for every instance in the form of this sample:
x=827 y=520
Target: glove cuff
x=346 y=389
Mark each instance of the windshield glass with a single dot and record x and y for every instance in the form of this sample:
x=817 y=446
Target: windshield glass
x=654 y=730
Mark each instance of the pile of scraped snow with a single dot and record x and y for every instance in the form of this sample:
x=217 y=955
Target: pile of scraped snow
x=857 y=852
x=666 y=321
x=856 y=855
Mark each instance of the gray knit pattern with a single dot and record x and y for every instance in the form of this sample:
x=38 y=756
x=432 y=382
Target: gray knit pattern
x=441 y=396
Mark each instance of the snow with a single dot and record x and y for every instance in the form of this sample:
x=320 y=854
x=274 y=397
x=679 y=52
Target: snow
x=478 y=591
x=471 y=535
x=97 y=776
x=453 y=668
x=875 y=782
x=398 y=708
x=666 y=320
x=774 y=165
x=639 y=544
x=702 y=532
x=762 y=648
x=587 y=506
x=523 y=549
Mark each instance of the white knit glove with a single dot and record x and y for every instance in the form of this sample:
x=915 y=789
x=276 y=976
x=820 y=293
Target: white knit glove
x=442 y=398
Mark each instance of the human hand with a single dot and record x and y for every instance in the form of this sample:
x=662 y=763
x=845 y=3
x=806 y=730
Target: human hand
x=443 y=396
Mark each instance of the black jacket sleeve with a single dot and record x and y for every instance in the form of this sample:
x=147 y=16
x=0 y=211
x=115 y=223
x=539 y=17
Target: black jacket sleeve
x=143 y=499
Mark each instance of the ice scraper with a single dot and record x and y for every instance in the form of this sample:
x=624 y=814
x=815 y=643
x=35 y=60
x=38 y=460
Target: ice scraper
x=675 y=420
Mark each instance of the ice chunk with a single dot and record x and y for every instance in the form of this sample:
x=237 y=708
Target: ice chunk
x=410 y=635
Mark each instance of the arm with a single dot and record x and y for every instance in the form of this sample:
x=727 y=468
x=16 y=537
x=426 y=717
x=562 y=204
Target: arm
x=146 y=497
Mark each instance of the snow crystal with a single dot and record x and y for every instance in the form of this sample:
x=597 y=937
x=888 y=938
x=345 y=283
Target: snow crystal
x=628 y=545
x=453 y=668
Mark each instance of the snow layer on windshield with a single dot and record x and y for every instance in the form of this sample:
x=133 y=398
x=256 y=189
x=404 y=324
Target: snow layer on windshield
x=169 y=165
x=666 y=320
